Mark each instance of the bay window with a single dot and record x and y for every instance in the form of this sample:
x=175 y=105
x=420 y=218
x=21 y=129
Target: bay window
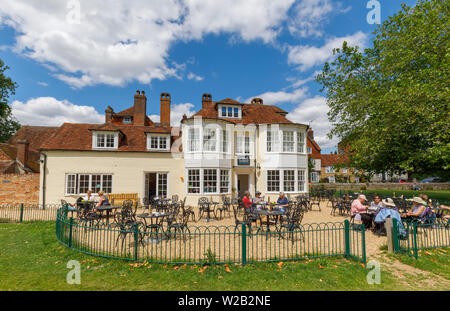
x=209 y=139
x=194 y=139
x=287 y=180
x=300 y=142
x=301 y=180
x=193 y=181
x=208 y=181
x=288 y=141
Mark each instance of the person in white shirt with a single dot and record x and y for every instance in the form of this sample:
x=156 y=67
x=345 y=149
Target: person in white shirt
x=89 y=196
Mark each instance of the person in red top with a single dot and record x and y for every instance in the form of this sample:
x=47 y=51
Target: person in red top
x=246 y=200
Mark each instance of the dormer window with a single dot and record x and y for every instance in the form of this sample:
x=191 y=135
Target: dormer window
x=230 y=111
x=127 y=120
x=157 y=142
x=105 y=140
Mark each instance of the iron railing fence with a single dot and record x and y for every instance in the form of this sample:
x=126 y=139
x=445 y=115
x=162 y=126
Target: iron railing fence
x=211 y=244
x=420 y=236
x=28 y=212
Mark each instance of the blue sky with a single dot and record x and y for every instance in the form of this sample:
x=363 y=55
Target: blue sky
x=71 y=59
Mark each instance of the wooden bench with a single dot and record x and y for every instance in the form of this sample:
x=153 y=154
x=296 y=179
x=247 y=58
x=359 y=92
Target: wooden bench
x=118 y=198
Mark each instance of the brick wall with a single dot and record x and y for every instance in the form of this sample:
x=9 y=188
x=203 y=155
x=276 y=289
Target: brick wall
x=19 y=188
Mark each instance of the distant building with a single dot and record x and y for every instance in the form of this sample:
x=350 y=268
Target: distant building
x=314 y=154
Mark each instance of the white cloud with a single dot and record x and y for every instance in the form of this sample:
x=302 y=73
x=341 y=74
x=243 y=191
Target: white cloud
x=49 y=111
x=116 y=42
x=314 y=111
x=310 y=16
x=176 y=113
x=193 y=76
x=274 y=98
x=42 y=83
x=306 y=56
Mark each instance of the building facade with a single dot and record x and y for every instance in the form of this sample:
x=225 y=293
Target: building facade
x=224 y=149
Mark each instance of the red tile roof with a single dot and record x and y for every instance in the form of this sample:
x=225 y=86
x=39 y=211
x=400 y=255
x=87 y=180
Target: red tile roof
x=333 y=159
x=35 y=135
x=78 y=137
x=251 y=114
x=11 y=152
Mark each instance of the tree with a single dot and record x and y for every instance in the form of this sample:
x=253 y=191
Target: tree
x=390 y=103
x=8 y=124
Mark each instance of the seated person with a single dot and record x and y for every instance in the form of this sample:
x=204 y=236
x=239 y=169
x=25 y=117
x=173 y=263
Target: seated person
x=102 y=199
x=246 y=200
x=258 y=200
x=424 y=197
x=387 y=210
x=359 y=211
x=283 y=202
x=376 y=204
x=418 y=209
x=89 y=196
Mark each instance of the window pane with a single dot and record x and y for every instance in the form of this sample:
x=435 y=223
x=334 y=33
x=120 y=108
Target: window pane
x=236 y=112
x=300 y=142
x=210 y=181
x=230 y=111
x=273 y=181
x=96 y=183
x=194 y=140
x=107 y=183
x=288 y=141
x=224 y=111
x=301 y=180
x=71 y=186
x=224 y=141
x=100 y=140
x=269 y=141
x=224 y=181
x=289 y=181
x=153 y=142
x=193 y=181
x=162 y=185
x=84 y=183
x=162 y=142
x=110 y=141
x=209 y=140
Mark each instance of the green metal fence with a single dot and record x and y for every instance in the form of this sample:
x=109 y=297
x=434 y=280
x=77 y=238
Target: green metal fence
x=420 y=237
x=212 y=244
x=28 y=212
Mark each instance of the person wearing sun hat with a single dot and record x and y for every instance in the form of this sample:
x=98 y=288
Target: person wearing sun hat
x=388 y=210
x=417 y=210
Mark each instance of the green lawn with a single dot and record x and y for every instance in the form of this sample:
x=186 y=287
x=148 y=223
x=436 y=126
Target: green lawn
x=32 y=259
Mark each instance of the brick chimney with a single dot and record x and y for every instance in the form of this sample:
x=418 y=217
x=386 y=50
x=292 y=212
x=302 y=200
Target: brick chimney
x=22 y=151
x=108 y=115
x=257 y=101
x=310 y=134
x=140 y=108
x=165 y=109
x=206 y=100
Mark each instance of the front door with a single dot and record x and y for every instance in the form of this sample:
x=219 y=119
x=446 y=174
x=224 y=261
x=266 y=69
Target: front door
x=243 y=184
x=156 y=184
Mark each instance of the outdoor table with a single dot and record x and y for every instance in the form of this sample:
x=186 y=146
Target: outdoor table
x=268 y=214
x=108 y=209
x=440 y=211
x=208 y=210
x=153 y=217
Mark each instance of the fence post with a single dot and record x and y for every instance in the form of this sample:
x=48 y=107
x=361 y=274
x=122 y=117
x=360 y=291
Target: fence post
x=21 y=213
x=388 y=224
x=395 y=235
x=136 y=243
x=347 y=237
x=244 y=244
x=70 y=232
x=363 y=238
x=415 y=240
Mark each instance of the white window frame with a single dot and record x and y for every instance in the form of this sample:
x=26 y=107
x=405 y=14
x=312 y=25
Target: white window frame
x=209 y=141
x=95 y=140
x=331 y=179
x=300 y=142
x=309 y=149
x=290 y=143
x=194 y=140
x=315 y=176
x=160 y=140
x=281 y=185
x=344 y=170
x=227 y=107
x=202 y=179
x=127 y=120
x=242 y=142
x=89 y=183
x=329 y=169
x=301 y=179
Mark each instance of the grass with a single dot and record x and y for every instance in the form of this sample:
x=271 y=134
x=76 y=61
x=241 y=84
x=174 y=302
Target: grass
x=436 y=261
x=32 y=259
